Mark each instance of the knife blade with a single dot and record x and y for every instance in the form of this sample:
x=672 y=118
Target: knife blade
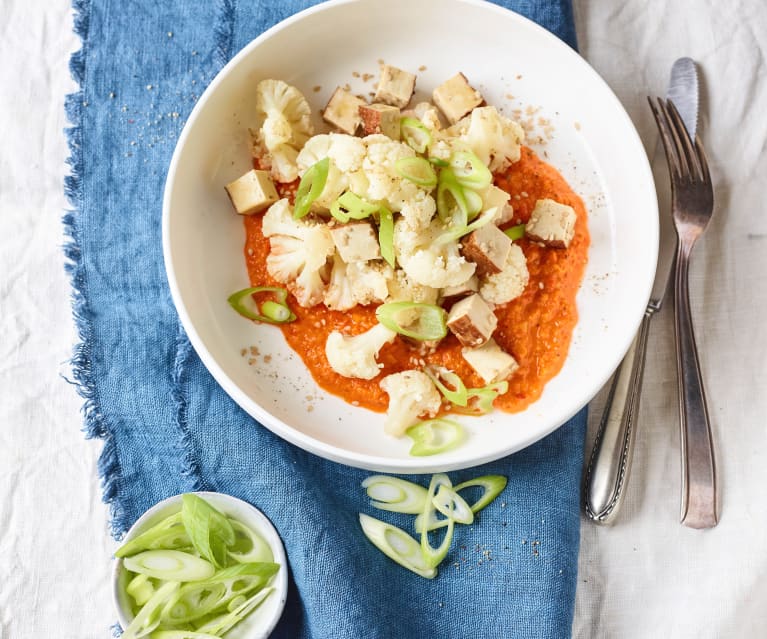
x=609 y=466
x=683 y=92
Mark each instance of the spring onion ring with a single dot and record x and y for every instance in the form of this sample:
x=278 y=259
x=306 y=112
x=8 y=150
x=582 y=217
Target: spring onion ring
x=449 y=503
x=451 y=202
x=394 y=494
x=458 y=232
x=480 y=400
x=208 y=529
x=310 y=187
x=492 y=486
x=470 y=171
x=270 y=312
x=168 y=533
x=220 y=625
x=170 y=565
x=248 y=546
x=434 y=436
x=141 y=589
x=458 y=394
x=396 y=544
x=417 y=170
x=431 y=555
x=416 y=135
x=148 y=618
x=424 y=322
x=352 y=207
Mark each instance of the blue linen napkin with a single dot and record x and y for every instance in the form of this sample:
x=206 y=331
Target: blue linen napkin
x=168 y=428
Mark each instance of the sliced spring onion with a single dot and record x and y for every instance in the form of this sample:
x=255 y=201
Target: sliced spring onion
x=396 y=544
x=148 y=618
x=431 y=555
x=208 y=529
x=197 y=599
x=458 y=394
x=182 y=634
x=470 y=171
x=220 y=625
x=448 y=502
x=248 y=546
x=417 y=320
x=473 y=203
x=352 y=207
x=271 y=312
x=459 y=231
x=140 y=588
x=416 y=135
x=451 y=200
x=168 y=533
x=516 y=232
x=439 y=162
x=386 y=234
x=394 y=494
x=492 y=486
x=434 y=436
x=310 y=187
x=169 y=565
x=480 y=400
x=417 y=170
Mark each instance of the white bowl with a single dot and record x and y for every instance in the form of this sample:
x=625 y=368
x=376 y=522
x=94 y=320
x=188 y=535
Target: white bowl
x=260 y=623
x=594 y=145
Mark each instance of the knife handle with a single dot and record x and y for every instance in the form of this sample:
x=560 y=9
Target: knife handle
x=699 y=507
x=610 y=463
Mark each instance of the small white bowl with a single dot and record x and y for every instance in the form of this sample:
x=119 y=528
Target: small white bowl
x=262 y=621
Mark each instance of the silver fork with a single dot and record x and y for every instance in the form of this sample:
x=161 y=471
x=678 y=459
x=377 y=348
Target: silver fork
x=692 y=204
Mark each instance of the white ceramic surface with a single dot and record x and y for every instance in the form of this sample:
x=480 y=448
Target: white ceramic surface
x=260 y=623
x=517 y=65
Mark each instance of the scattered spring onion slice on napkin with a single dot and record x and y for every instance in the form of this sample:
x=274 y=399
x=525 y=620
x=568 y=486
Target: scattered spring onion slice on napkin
x=394 y=494
x=396 y=544
x=434 y=556
x=491 y=485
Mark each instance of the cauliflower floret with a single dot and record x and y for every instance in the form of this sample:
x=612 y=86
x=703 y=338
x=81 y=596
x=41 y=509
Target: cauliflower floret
x=385 y=183
x=403 y=289
x=286 y=127
x=417 y=213
x=345 y=173
x=347 y=152
x=510 y=282
x=493 y=138
x=355 y=355
x=357 y=283
x=427 y=258
x=298 y=253
x=411 y=394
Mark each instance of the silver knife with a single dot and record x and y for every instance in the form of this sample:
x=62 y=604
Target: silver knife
x=610 y=462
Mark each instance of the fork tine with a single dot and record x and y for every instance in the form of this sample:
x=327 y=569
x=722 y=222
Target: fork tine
x=684 y=162
x=672 y=156
x=688 y=145
x=702 y=159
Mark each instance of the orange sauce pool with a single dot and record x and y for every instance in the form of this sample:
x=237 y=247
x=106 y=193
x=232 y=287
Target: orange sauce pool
x=536 y=328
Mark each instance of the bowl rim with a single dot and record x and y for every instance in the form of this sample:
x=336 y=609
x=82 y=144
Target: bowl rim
x=365 y=460
x=266 y=529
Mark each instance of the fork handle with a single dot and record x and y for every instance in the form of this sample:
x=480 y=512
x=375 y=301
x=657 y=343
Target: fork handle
x=610 y=463
x=699 y=507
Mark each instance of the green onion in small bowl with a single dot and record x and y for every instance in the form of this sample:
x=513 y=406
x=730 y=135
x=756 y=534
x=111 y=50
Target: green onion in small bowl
x=256 y=540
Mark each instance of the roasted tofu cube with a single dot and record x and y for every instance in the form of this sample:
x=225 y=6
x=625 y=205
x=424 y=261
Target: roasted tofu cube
x=472 y=321
x=456 y=98
x=490 y=361
x=396 y=86
x=380 y=118
x=253 y=192
x=551 y=223
x=356 y=242
x=488 y=247
x=451 y=294
x=498 y=198
x=343 y=111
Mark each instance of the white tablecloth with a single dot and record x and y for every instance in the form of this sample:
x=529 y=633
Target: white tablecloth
x=646 y=576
